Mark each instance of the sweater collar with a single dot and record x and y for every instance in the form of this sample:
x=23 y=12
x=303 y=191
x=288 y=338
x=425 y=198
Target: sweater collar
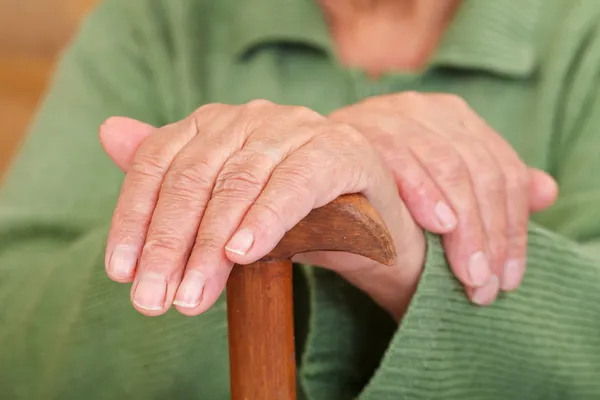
x=263 y=22
x=497 y=36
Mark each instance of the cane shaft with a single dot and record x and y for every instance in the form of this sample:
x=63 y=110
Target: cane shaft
x=261 y=331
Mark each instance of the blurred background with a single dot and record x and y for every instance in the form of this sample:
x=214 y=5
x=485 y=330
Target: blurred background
x=32 y=34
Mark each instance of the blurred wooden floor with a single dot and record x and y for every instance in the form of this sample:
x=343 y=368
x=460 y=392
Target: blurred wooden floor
x=32 y=33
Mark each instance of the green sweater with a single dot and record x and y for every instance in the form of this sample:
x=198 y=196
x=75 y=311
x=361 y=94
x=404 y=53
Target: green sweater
x=531 y=68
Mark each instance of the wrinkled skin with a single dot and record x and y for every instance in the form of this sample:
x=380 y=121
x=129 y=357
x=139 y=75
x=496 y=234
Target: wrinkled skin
x=223 y=185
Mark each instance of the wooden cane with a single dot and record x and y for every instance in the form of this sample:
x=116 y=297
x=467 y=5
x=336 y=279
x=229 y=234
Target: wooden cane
x=259 y=296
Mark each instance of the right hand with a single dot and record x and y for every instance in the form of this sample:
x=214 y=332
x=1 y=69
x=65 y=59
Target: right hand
x=460 y=179
x=223 y=186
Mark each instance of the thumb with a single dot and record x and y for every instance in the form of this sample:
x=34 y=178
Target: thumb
x=543 y=190
x=120 y=137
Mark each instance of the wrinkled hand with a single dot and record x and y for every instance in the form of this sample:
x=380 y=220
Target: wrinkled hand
x=223 y=186
x=459 y=178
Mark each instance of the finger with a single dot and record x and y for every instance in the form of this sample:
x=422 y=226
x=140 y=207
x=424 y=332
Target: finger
x=516 y=189
x=418 y=190
x=289 y=197
x=138 y=198
x=466 y=245
x=543 y=190
x=517 y=201
x=485 y=295
x=313 y=176
x=237 y=186
x=184 y=193
x=422 y=196
x=121 y=138
x=490 y=190
x=517 y=205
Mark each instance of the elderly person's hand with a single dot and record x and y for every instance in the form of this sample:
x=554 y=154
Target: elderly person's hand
x=459 y=178
x=223 y=186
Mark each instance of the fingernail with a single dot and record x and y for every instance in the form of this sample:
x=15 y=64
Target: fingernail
x=479 y=269
x=190 y=290
x=241 y=242
x=513 y=272
x=445 y=215
x=123 y=261
x=150 y=292
x=485 y=295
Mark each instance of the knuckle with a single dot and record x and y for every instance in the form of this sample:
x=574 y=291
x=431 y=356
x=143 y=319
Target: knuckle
x=132 y=216
x=294 y=182
x=451 y=177
x=338 y=115
x=517 y=177
x=518 y=240
x=308 y=131
x=341 y=134
x=353 y=136
x=446 y=157
x=447 y=167
x=259 y=103
x=207 y=243
x=268 y=211
x=305 y=113
x=342 y=114
x=245 y=174
x=498 y=244
x=239 y=184
x=209 y=108
x=164 y=246
x=491 y=180
x=519 y=221
x=390 y=104
x=400 y=158
x=420 y=190
x=407 y=102
x=210 y=118
x=205 y=113
x=410 y=97
x=298 y=181
x=149 y=164
x=188 y=180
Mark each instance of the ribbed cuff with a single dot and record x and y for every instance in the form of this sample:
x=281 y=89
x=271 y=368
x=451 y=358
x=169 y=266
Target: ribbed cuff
x=541 y=341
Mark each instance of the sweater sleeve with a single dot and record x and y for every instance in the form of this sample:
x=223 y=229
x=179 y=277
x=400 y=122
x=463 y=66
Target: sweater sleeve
x=541 y=341
x=66 y=331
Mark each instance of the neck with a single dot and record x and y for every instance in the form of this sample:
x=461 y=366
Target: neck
x=365 y=30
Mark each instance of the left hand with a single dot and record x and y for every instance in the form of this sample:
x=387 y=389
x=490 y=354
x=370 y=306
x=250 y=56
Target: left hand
x=458 y=178
x=254 y=169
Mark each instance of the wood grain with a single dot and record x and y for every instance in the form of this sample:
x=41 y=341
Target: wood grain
x=261 y=331
x=259 y=296
x=349 y=224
